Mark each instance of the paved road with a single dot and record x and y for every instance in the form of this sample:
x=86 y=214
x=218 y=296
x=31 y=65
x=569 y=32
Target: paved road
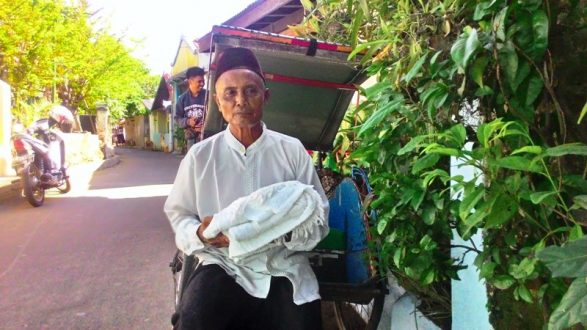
x=95 y=258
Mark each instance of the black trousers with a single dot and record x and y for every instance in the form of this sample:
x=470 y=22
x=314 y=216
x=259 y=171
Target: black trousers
x=213 y=300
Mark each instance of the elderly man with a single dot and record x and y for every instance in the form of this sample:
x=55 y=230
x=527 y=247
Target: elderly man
x=265 y=291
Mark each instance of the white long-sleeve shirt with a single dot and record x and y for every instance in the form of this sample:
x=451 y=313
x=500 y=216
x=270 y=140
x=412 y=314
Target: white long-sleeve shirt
x=218 y=171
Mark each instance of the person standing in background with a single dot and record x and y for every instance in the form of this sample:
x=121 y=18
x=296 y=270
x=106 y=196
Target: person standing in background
x=191 y=106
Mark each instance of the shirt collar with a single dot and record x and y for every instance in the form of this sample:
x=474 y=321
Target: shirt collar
x=239 y=147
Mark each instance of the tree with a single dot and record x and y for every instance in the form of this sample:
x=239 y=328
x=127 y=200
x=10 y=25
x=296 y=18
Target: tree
x=52 y=50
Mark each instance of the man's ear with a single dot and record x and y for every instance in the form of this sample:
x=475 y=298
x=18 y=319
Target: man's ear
x=267 y=94
x=217 y=101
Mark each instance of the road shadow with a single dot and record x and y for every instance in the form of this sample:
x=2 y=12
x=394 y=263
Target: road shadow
x=138 y=167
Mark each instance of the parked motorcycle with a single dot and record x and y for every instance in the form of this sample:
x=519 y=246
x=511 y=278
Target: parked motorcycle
x=39 y=161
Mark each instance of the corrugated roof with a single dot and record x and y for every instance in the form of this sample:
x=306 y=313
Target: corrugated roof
x=148 y=103
x=261 y=15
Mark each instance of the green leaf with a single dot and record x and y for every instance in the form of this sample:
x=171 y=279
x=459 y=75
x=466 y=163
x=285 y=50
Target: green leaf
x=370 y=44
x=412 y=144
x=478 y=216
x=503 y=210
x=427 y=243
x=384 y=26
x=540 y=31
x=537 y=150
x=381 y=225
x=509 y=62
x=435 y=57
x=535 y=86
x=457 y=52
x=478 y=69
x=417 y=199
x=434 y=67
x=378 y=116
x=377 y=89
x=513 y=182
x=431 y=175
x=570 y=260
x=471 y=46
x=437 y=149
x=575 y=233
x=458 y=133
x=572 y=308
x=520 y=31
x=428 y=277
x=364 y=7
x=469 y=202
x=356 y=25
x=525 y=294
x=523 y=72
x=415 y=69
x=484 y=91
x=425 y=162
x=579 y=202
x=496 y=256
x=483 y=9
x=398 y=256
x=567 y=149
x=522 y=270
x=429 y=215
x=503 y=282
x=499 y=24
x=583 y=113
x=483 y=133
x=307 y=4
x=487 y=270
x=516 y=163
x=538 y=197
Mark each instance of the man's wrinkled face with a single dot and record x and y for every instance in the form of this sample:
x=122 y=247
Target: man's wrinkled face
x=241 y=95
x=195 y=84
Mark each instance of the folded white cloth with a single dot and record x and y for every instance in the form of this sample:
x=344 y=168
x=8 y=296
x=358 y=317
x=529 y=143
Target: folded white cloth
x=260 y=221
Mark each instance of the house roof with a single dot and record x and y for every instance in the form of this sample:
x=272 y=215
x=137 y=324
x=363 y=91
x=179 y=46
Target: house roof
x=185 y=57
x=162 y=94
x=148 y=103
x=262 y=15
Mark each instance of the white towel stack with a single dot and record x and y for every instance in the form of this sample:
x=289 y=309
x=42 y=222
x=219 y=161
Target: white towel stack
x=260 y=221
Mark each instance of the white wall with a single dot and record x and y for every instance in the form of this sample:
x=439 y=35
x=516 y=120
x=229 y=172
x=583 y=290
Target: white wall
x=469 y=295
x=5 y=131
x=400 y=312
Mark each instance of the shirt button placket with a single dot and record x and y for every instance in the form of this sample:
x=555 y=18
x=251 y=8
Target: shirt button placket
x=249 y=173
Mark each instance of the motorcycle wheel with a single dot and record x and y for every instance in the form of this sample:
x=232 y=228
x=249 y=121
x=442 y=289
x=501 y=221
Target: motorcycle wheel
x=65 y=187
x=33 y=191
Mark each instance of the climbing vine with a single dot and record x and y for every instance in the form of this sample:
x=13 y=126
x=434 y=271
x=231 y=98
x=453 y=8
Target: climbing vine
x=480 y=83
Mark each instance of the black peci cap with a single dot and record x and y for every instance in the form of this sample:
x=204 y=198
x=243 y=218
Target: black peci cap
x=237 y=58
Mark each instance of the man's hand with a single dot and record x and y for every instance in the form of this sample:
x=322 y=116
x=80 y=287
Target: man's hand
x=191 y=122
x=219 y=241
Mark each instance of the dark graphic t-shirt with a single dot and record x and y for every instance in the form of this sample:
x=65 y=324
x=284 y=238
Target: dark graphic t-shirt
x=189 y=106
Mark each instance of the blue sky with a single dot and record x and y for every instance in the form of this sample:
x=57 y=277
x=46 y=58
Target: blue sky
x=161 y=24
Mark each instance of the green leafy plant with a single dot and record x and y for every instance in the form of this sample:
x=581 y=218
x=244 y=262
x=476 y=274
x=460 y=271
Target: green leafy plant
x=33 y=111
x=179 y=136
x=480 y=82
x=569 y=261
